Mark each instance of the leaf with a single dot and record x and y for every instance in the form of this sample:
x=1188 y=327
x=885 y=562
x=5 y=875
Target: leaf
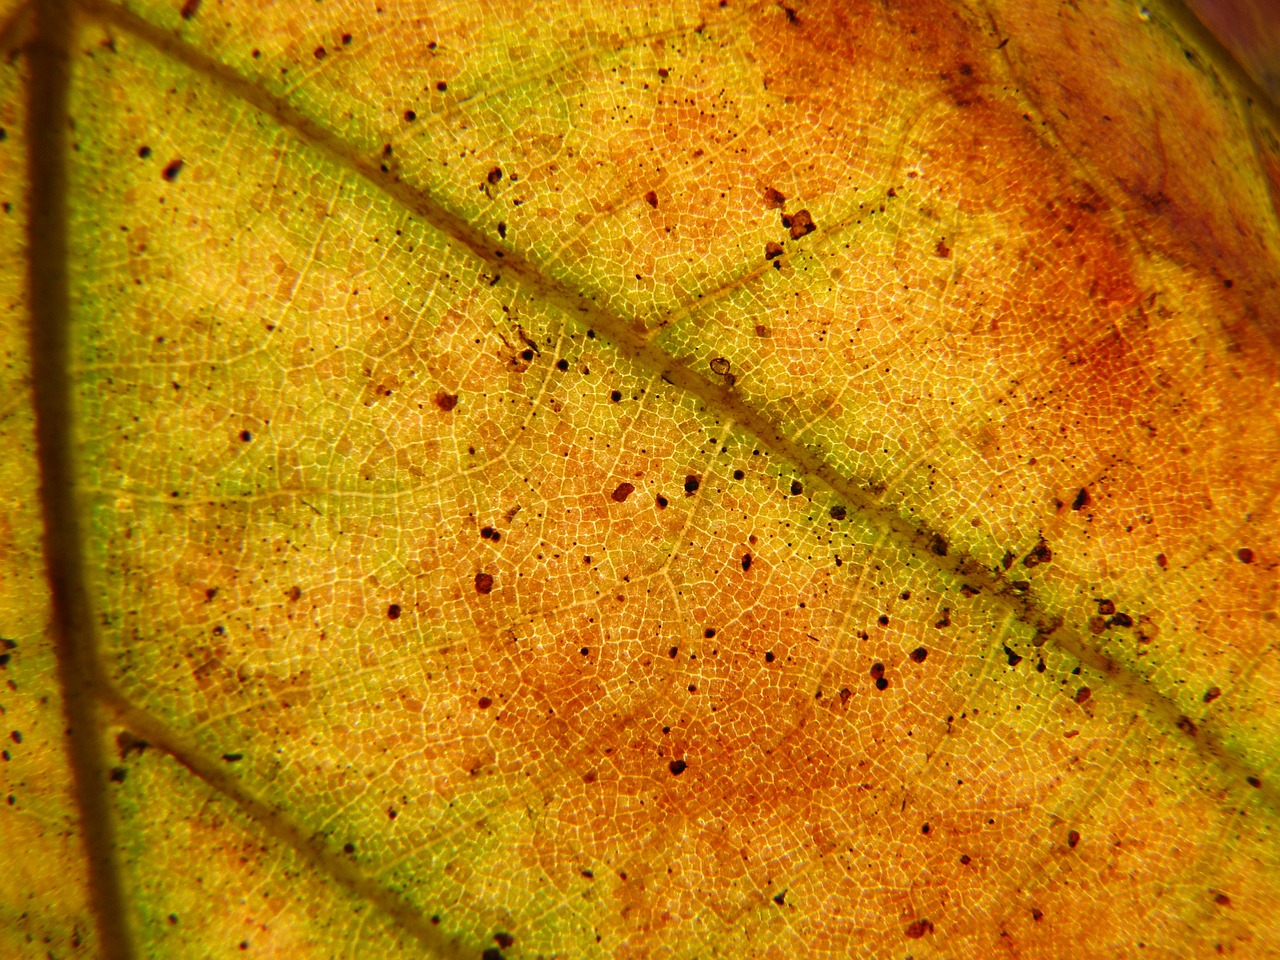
x=685 y=479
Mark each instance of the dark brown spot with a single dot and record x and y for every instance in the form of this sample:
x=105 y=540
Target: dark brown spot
x=118 y=774
x=1253 y=782
x=319 y=53
x=1122 y=620
x=485 y=703
x=966 y=859
x=1036 y=914
x=691 y=484
x=678 y=767
x=773 y=199
x=938 y=546
x=504 y=940
x=1244 y=555
x=1012 y=655
x=1161 y=560
x=838 y=512
x=1009 y=557
x=780 y=898
x=616 y=396
x=663 y=72
x=410 y=116
x=246 y=436
x=1083 y=694
x=925 y=828
x=746 y=562
x=709 y=632
x=797 y=488
x=484 y=582
x=720 y=366
x=883 y=620
x=144 y=152
x=945 y=619
x=877 y=671
x=1039 y=554
x=1222 y=900
x=942 y=249
x=772 y=250
x=662 y=502
x=441 y=86
x=562 y=364
x=1081 y=501
x=882 y=683
x=651 y=198
x=348 y=848
x=446 y=401
x=1097 y=624
x=393 y=612
x=768 y=656
x=190 y=8
x=1212 y=694
x=494 y=176
x=171 y=171
x=622 y=491
x=1187 y=725
x=919 y=654
x=799 y=223
x=1106 y=607
x=1073 y=838
x=918 y=928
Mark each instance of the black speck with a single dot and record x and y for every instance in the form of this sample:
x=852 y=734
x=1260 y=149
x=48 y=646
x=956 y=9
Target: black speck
x=1081 y=501
x=393 y=612
x=233 y=757
x=348 y=848
x=691 y=484
x=678 y=767
x=171 y=171
x=144 y=152
x=1014 y=659
x=616 y=396
x=780 y=898
x=410 y=116
x=442 y=86
x=746 y=562
x=768 y=656
x=246 y=436
x=562 y=365
x=797 y=488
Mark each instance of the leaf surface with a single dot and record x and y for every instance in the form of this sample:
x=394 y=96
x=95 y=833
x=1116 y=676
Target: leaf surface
x=680 y=479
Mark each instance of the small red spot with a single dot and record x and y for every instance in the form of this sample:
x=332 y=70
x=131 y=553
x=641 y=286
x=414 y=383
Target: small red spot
x=1073 y=838
x=446 y=401
x=319 y=53
x=651 y=198
x=485 y=703
x=1212 y=694
x=171 y=172
x=966 y=859
x=1244 y=555
x=1083 y=694
x=772 y=250
x=393 y=612
x=1222 y=900
x=484 y=582
x=918 y=929
x=1161 y=560
x=190 y=9
x=774 y=199
x=942 y=249
x=918 y=654
x=1036 y=914
x=623 y=491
